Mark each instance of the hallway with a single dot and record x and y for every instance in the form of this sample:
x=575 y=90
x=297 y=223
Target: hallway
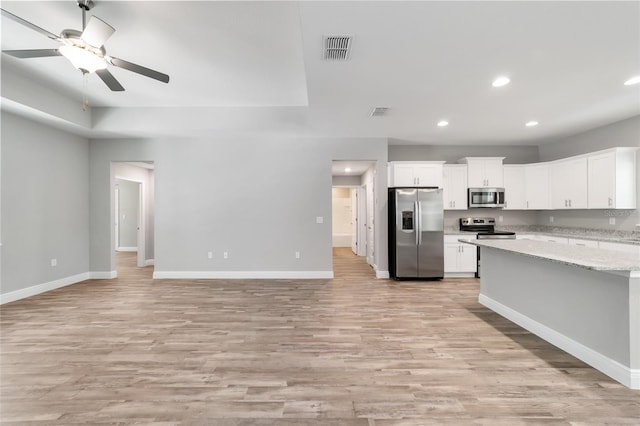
x=348 y=265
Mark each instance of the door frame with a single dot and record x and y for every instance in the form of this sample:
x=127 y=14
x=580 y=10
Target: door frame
x=142 y=211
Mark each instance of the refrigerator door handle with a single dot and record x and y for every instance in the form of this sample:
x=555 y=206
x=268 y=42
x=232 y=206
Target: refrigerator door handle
x=416 y=212
x=419 y=230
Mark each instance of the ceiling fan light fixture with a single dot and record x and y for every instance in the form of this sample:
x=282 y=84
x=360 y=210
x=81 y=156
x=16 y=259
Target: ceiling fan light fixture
x=83 y=59
x=632 y=81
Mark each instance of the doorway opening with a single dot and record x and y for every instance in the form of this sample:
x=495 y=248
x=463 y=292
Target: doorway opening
x=353 y=218
x=133 y=212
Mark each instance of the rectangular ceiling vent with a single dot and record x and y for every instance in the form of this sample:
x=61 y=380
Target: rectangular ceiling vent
x=337 y=47
x=379 y=111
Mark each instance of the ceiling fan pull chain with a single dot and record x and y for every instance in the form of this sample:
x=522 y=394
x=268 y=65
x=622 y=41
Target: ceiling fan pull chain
x=85 y=98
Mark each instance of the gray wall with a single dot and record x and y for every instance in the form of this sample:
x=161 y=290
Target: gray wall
x=257 y=198
x=451 y=154
x=622 y=133
x=128 y=204
x=45 y=212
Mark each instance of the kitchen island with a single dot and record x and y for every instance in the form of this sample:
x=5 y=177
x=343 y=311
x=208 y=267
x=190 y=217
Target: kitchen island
x=583 y=300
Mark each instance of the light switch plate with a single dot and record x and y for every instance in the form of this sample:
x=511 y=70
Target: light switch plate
x=319 y=219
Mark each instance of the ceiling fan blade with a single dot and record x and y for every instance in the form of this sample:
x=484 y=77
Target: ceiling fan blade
x=97 y=32
x=139 y=69
x=28 y=24
x=33 y=53
x=110 y=80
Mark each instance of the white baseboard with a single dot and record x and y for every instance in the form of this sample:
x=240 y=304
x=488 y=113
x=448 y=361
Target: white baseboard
x=625 y=375
x=459 y=275
x=12 y=296
x=382 y=274
x=127 y=249
x=149 y=262
x=259 y=275
x=103 y=275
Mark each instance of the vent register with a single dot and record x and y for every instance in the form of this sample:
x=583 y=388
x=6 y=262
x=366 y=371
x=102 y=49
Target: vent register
x=337 y=47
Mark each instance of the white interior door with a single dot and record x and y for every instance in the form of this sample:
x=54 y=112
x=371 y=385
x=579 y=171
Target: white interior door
x=370 y=223
x=354 y=220
x=362 y=221
x=141 y=226
x=117 y=215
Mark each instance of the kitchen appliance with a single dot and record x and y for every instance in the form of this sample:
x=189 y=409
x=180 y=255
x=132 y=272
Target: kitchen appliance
x=416 y=233
x=484 y=228
x=486 y=197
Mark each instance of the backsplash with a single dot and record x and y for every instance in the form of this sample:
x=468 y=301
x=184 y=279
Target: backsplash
x=509 y=217
x=625 y=220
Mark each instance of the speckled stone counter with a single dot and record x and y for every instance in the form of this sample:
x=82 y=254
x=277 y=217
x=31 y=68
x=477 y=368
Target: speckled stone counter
x=583 y=300
x=583 y=257
x=626 y=237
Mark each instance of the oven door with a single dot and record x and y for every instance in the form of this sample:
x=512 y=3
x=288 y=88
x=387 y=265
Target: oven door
x=486 y=197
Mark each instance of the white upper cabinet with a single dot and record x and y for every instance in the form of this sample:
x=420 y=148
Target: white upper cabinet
x=514 y=188
x=455 y=186
x=484 y=172
x=414 y=174
x=612 y=179
x=568 y=184
x=536 y=186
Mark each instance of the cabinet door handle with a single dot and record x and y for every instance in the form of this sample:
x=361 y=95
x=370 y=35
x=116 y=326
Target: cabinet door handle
x=527 y=204
x=569 y=203
x=610 y=201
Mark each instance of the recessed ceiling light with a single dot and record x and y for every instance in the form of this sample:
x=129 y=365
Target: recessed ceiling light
x=531 y=123
x=443 y=123
x=347 y=169
x=501 y=81
x=632 y=81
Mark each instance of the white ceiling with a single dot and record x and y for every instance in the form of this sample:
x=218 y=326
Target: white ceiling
x=257 y=67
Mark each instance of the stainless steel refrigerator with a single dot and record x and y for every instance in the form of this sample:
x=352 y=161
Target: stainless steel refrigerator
x=416 y=233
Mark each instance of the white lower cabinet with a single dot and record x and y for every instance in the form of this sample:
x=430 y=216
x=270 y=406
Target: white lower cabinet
x=627 y=248
x=551 y=239
x=583 y=243
x=459 y=257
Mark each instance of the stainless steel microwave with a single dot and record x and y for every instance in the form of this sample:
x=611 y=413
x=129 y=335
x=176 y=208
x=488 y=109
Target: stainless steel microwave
x=486 y=197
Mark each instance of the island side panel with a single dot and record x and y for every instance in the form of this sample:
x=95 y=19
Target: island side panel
x=589 y=307
x=634 y=331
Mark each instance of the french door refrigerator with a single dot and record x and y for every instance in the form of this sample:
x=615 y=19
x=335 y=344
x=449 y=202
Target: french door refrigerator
x=416 y=233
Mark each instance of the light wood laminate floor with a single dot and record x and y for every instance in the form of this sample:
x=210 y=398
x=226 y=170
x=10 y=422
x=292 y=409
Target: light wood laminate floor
x=349 y=351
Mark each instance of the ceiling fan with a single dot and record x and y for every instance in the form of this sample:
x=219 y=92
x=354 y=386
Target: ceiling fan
x=84 y=49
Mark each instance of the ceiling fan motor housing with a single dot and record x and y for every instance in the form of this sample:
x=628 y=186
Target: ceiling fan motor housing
x=85 y=4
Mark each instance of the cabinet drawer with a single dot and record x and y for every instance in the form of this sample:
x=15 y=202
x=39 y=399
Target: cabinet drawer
x=585 y=243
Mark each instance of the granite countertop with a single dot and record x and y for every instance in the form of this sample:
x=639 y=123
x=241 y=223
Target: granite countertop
x=583 y=257
x=628 y=237
x=625 y=237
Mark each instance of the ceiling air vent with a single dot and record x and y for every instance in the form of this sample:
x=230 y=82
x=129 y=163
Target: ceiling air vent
x=379 y=111
x=337 y=48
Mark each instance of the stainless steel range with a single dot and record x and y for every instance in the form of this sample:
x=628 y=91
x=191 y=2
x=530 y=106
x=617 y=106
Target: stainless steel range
x=484 y=228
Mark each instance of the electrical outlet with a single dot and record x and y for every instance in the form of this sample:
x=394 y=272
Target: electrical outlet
x=551 y=219
x=54 y=262
x=500 y=218
x=297 y=255
x=612 y=221
x=225 y=254
x=210 y=255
